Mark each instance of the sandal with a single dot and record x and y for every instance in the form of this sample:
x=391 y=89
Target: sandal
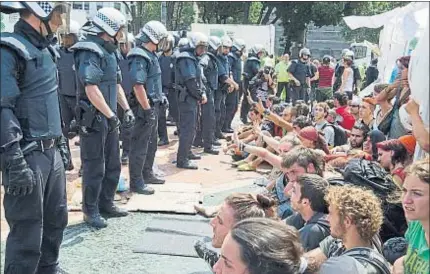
x=239 y=163
x=246 y=167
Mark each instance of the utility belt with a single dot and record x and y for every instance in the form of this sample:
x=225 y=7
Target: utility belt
x=88 y=116
x=179 y=88
x=38 y=145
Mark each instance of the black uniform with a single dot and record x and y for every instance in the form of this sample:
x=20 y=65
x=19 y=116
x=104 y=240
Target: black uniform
x=206 y=129
x=67 y=89
x=125 y=133
x=188 y=73
x=167 y=80
x=100 y=154
x=144 y=70
x=232 y=100
x=221 y=93
x=30 y=115
x=251 y=68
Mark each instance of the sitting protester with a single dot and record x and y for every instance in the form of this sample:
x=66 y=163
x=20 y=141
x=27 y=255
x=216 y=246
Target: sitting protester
x=261 y=246
x=356 y=139
x=236 y=207
x=344 y=117
x=311 y=138
x=355 y=217
x=301 y=122
x=367 y=108
x=416 y=205
x=321 y=124
x=307 y=199
x=393 y=156
x=369 y=146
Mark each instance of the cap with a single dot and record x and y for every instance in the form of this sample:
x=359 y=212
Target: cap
x=409 y=142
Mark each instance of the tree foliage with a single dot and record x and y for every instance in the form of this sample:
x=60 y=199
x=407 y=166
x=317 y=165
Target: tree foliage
x=180 y=14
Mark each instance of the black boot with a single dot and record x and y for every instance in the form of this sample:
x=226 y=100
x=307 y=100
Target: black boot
x=124 y=158
x=211 y=151
x=112 y=212
x=192 y=156
x=95 y=220
x=141 y=188
x=151 y=179
x=187 y=165
x=163 y=143
x=216 y=143
x=228 y=130
x=81 y=171
x=219 y=135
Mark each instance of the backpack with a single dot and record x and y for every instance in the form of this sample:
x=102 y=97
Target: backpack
x=340 y=137
x=366 y=255
x=371 y=175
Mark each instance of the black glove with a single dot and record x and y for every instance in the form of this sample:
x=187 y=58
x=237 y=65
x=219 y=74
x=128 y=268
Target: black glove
x=165 y=102
x=113 y=123
x=129 y=119
x=149 y=116
x=73 y=129
x=21 y=178
x=64 y=151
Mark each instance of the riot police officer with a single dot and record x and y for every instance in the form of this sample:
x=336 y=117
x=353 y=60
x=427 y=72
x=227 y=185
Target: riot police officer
x=124 y=63
x=189 y=84
x=167 y=80
x=146 y=81
x=31 y=143
x=99 y=88
x=205 y=133
x=226 y=85
x=232 y=100
x=67 y=82
x=251 y=68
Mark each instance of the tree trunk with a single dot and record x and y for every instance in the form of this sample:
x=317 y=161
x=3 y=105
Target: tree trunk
x=170 y=11
x=266 y=17
x=178 y=14
x=246 y=8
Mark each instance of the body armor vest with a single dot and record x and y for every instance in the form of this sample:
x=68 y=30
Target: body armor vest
x=37 y=108
x=66 y=73
x=109 y=66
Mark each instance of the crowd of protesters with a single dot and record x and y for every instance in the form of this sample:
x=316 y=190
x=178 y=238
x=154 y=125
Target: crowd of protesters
x=345 y=194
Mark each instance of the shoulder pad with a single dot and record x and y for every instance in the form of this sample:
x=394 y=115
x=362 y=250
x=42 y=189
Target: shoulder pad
x=210 y=54
x=186 y=54
x=138 y=52
x=88 y=46
x=19 y=44
x=253 y=58
x=232 y=55
x=54 y=51
x=204 y=60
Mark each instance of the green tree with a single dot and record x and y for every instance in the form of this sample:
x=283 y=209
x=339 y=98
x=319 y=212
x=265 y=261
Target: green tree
x=180 y=14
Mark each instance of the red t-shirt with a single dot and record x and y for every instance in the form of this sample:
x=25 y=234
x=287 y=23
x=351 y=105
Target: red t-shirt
x=347 y=121
x=326 y=75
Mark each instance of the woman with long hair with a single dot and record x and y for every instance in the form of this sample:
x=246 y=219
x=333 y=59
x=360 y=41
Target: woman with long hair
x=261 y=246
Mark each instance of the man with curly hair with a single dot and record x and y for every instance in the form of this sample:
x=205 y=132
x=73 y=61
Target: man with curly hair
x=355 y=217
